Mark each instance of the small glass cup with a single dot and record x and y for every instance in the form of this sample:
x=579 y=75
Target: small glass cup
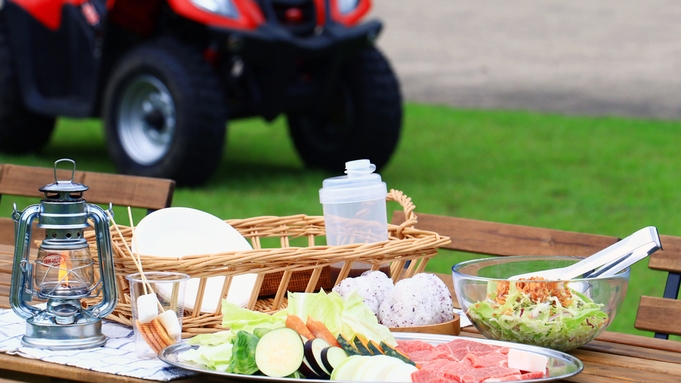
x=157 y=301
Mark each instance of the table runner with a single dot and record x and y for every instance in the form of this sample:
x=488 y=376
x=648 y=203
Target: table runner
x=116 y=356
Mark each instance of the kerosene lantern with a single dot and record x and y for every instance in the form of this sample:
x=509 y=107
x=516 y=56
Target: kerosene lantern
x=63 y=272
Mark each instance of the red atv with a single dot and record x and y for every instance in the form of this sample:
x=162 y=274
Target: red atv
x=166 y=76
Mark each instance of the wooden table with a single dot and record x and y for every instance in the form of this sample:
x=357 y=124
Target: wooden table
x=6 y=260
x=612 y=357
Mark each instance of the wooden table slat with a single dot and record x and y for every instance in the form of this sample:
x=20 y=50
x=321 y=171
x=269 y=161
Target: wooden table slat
x=592 y=379
x=630 y=363
x=605 y=373
x=630 y=344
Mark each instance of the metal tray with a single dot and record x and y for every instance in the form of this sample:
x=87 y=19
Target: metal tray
x=560 y=364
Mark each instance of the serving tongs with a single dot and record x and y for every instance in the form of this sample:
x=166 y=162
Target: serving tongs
x=608 y=261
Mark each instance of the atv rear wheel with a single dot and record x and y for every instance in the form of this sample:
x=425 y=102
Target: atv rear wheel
x=363 y=119
x=21 y=131
x=164 y=114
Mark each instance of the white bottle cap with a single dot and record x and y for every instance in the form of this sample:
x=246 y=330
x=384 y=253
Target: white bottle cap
x=360 y=184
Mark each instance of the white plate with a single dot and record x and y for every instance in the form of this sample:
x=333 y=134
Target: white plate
x=181 y=231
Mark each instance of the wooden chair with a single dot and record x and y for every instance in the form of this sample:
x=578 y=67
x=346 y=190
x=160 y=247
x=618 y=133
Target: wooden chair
x=663 y=315
x=121 y=190
x=660 y=315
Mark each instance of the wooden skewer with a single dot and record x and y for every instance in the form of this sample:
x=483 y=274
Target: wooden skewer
x=139 y=259
x=136 y=261
x=136 y=256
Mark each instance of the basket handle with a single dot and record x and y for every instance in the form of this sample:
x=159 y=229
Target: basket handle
x=408 y=207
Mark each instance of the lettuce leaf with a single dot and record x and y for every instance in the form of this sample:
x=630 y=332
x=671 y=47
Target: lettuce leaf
x=348 y=316
x=213 y=339
x=216 y=357
x=214 y=351
x=243 y=354
x=224 y=351
x=238 y=318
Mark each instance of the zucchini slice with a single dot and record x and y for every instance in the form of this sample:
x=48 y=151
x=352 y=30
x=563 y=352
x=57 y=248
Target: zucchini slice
x=332 y=357
x=279 y=352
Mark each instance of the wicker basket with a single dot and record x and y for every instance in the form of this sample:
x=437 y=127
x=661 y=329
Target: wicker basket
x=282 y=269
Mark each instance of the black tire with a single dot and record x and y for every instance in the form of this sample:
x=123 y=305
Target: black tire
x=364 y=119
x=21 y=130
x=164 y=114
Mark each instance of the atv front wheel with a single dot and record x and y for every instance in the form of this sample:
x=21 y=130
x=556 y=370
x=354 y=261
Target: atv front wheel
x=164 y=114
x=363 y=119
x=21 y=131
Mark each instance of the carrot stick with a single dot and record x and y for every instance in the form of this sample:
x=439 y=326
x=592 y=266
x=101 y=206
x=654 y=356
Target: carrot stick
x=319 y=330
x=295 y=323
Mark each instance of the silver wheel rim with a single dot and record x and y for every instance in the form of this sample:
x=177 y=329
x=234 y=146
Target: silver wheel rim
x=146 y=123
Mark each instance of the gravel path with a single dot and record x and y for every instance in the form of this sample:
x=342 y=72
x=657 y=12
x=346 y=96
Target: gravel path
x=605 y=57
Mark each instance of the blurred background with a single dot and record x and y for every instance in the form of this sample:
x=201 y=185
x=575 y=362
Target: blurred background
x=609 y=57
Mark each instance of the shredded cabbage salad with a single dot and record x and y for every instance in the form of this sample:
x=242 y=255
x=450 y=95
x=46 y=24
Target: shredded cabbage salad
x=543 y=322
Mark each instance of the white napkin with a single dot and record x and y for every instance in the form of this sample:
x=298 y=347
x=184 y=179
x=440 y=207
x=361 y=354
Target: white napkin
x=117 y=356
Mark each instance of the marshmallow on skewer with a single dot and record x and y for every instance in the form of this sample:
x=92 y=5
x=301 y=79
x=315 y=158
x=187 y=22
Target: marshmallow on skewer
x=170 y=323
x=147 y=307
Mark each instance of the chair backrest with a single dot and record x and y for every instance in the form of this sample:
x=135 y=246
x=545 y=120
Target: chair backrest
x=121 y=190
x=660 y=315
x=495 y=238
x=663 y=314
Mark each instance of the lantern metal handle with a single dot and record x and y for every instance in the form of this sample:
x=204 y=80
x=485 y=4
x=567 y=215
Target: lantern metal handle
x=105 y=256
x=73 y=171
x=21 y=276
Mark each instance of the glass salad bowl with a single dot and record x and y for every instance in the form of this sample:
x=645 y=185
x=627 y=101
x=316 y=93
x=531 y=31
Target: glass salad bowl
x=561 y=315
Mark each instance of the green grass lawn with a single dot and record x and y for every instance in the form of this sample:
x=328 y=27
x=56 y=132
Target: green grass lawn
x=604 y=175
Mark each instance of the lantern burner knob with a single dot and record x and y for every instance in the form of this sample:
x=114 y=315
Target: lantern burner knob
x=65 y=312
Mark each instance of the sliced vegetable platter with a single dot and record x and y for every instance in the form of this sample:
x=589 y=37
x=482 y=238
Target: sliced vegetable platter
x=323 y=336
x=560 y=364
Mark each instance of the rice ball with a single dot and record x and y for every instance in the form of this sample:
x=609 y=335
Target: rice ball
x=420 y=300
x=372 y=285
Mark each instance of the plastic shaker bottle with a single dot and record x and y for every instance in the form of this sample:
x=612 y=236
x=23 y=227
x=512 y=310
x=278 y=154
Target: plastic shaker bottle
x=355 y=209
